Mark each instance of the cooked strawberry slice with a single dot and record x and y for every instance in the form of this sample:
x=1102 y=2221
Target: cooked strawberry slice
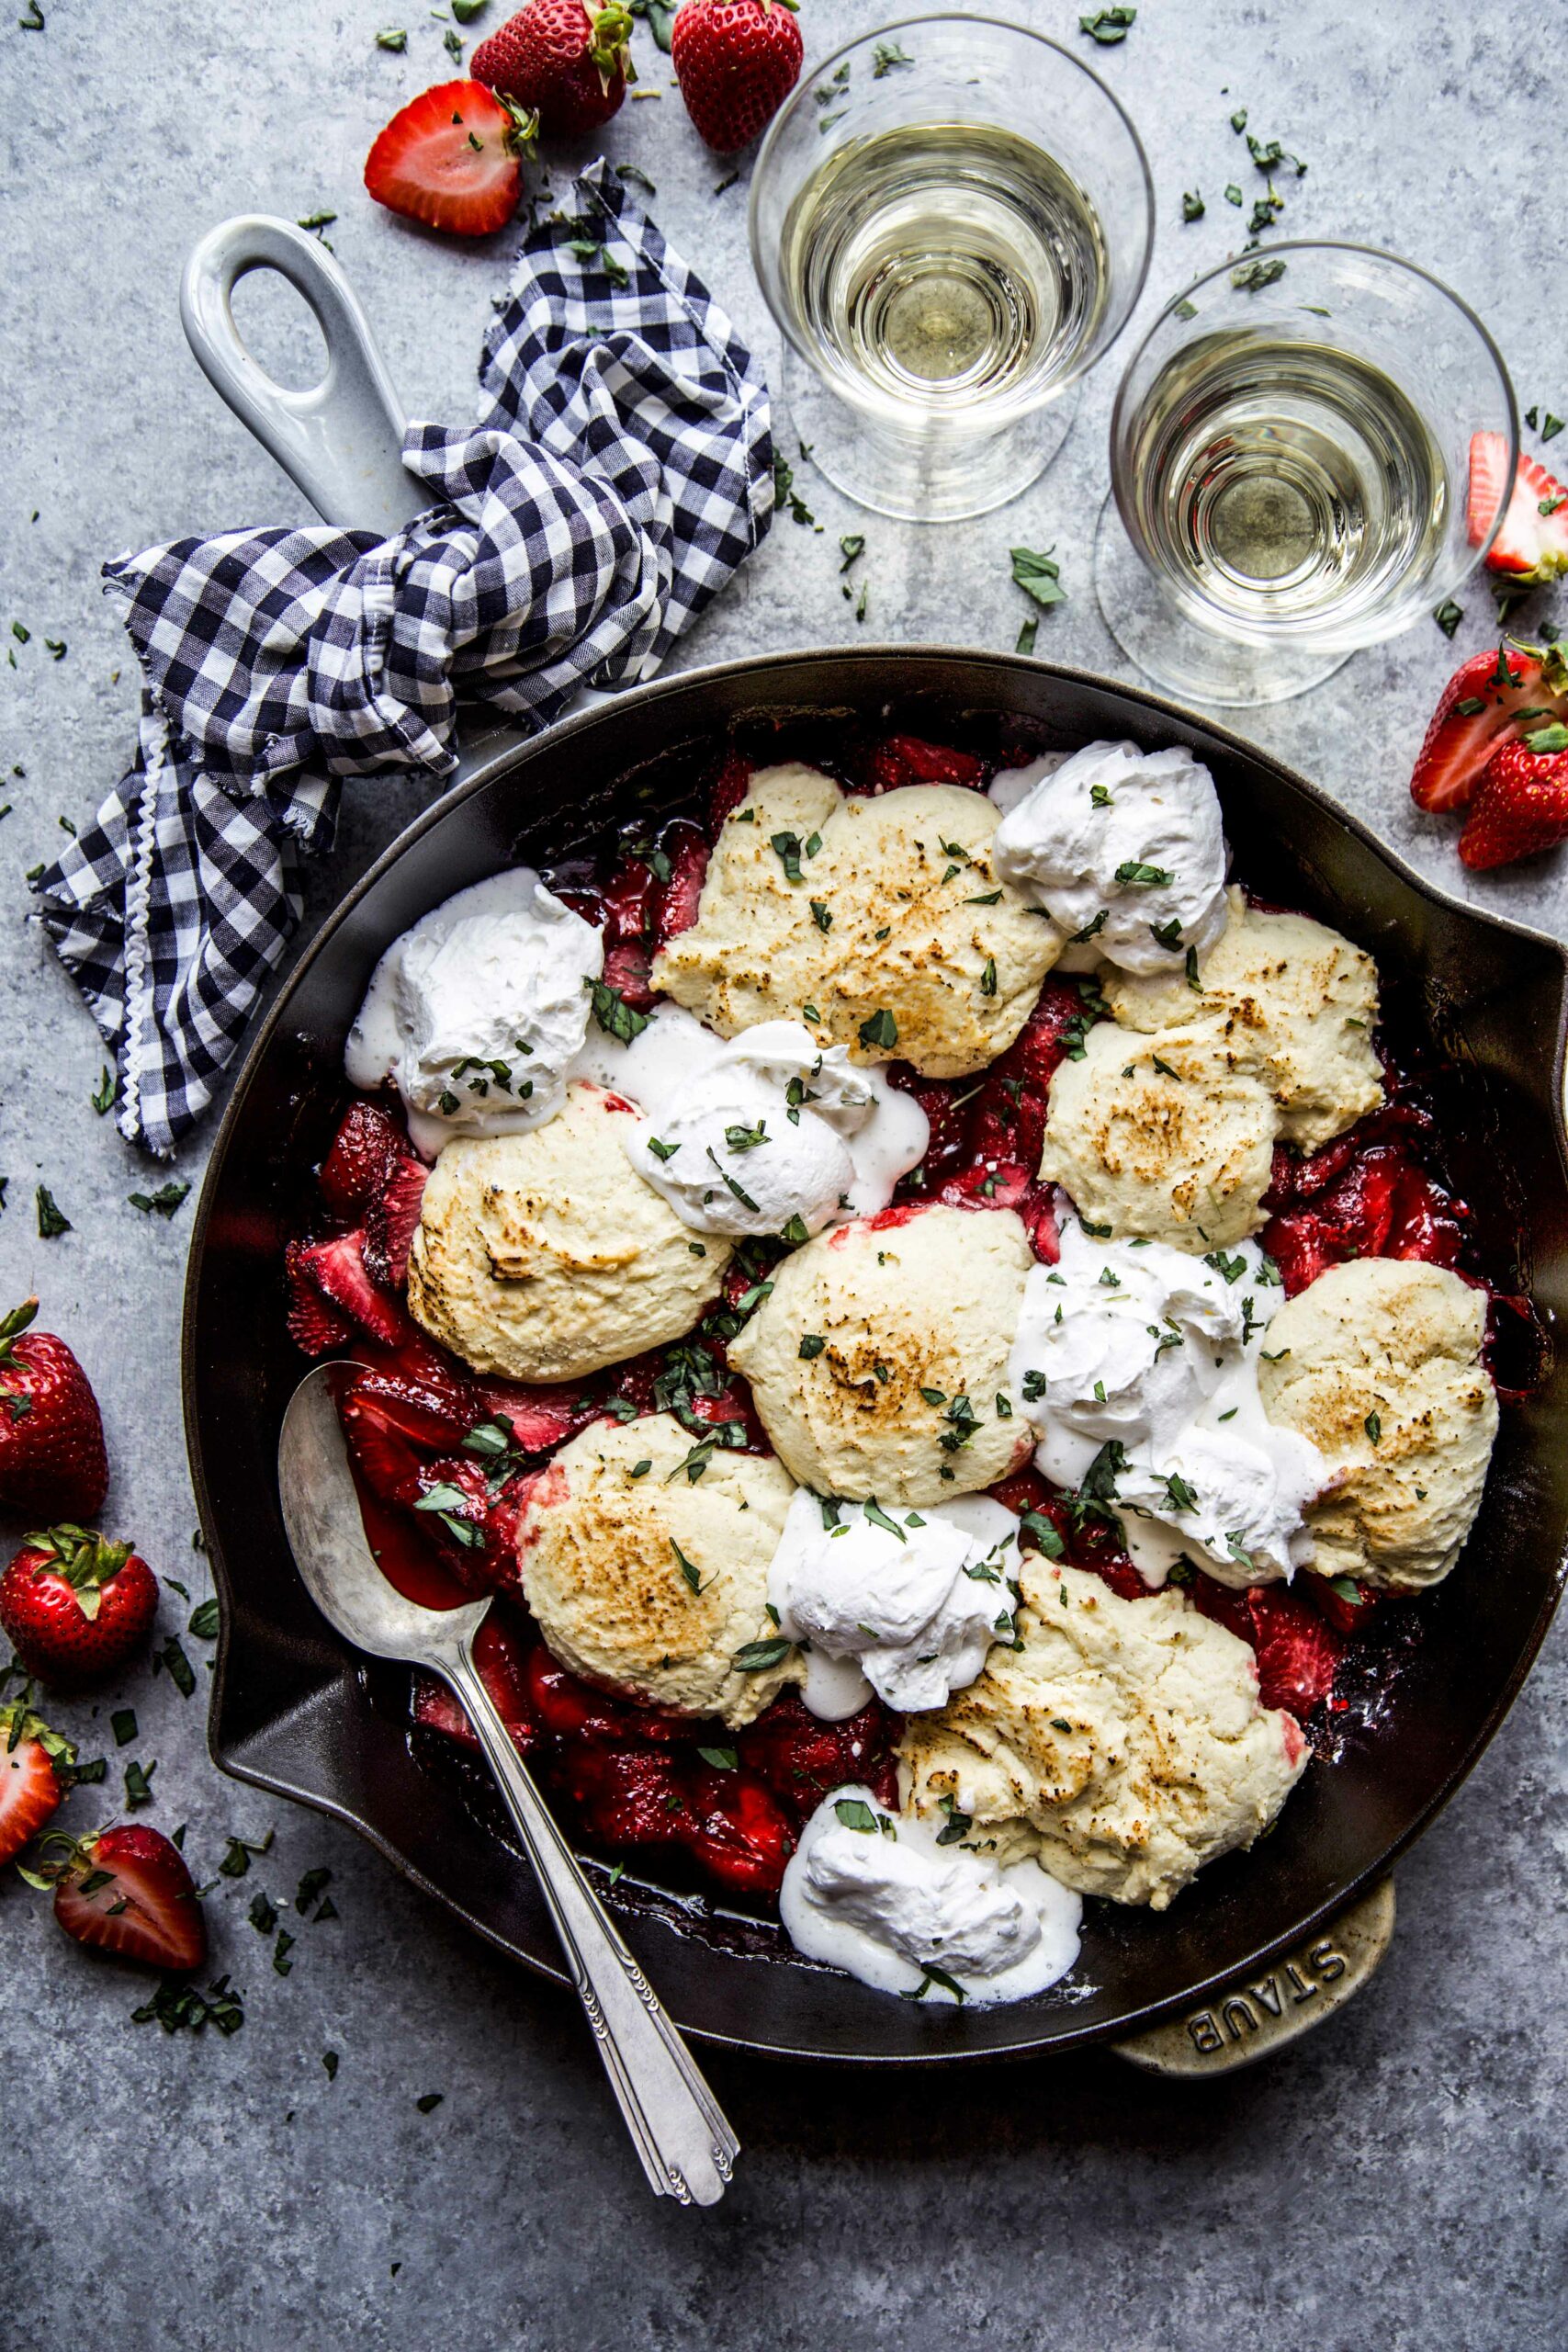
x=729 y=789
x=30 y=1787
x=364 y=1148
x=435 y=1411
x=392 y=1221
x=386 y=1459
x=986 y=1185
x=736 y=1829
x=450 y=159
x=1532 y=544
x=1348 y=1606
x=126 y=1890
x=628 y=902
x=337 y=1267
x=1297 y=1652
x=909 y=758
x=1487 y=702
x=627 y=970
x=315 y=1325
x=800 y=1757
x=1521 y=808
x=539 y=1418
x=688 y=853
x=502 y=1661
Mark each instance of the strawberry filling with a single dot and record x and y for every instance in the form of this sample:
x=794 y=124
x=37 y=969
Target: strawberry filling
x=445 y=1461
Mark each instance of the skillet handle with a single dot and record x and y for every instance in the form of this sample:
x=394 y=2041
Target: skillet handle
x=1250 y=2020
x=340 y=442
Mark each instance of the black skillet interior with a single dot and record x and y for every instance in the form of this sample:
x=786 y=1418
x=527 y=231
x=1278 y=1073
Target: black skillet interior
x=293 y=1711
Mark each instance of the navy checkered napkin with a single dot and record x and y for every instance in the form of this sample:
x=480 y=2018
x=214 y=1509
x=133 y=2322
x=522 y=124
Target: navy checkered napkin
x=620 y=472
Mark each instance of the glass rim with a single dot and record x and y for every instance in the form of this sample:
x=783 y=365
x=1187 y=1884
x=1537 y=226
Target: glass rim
x=1477 y=553
x=794 y=104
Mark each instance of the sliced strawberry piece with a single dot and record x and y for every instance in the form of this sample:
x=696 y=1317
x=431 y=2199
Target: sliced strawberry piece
x=127 y=1890
x=502 y=1661
x=1521 y=808
x=688 y=853
x=392 y=1221
x=434 y=1412
x=30 y=1786
x=1487 y=702
x=900 y=760
x=1489 y=484
x=540 y=1419
x=1346 y=1605
x=1297 y=1652
x=627 y=970
x=315 y=1325
x=367 y=1145
x=386 y=1460
x=800 y=1757
x=450 y=159
x=1532 y=544
x=729 y=789
x=628 y=902
x=736 y=1829
x=337 y=1267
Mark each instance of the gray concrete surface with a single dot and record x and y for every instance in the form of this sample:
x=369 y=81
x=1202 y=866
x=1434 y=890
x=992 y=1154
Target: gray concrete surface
x=1396 y=2180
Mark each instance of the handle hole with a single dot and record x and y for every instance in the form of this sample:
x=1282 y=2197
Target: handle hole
x=279 y=330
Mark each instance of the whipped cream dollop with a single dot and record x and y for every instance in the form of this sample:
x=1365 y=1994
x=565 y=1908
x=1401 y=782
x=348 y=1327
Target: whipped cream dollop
x=1122 y=848
x=903 y=1602
x=477 y=1012
x=1137 y=1363
x=879 y=1894
x=744 y=1136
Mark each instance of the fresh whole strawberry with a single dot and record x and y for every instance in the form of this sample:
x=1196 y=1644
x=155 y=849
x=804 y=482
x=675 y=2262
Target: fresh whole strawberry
x=1533 y=545
x=53 y=1462
x=1494 y=697
x=452 y=158
x=74 y=1605
x=126 y=1890
x=1521 y=806
x=567 y=61
x=30 y=1786
x=736 y=60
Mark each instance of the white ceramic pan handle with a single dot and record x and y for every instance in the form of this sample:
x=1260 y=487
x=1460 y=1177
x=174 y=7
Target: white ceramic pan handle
x=340 y=442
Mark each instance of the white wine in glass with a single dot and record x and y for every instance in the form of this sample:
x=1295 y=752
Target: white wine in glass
x=1290 y=453
x=951 y=220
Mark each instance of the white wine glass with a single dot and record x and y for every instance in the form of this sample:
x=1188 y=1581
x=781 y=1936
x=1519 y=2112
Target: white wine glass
x=951 y=220
x=1290 y=457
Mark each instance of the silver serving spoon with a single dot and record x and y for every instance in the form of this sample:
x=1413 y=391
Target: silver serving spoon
x=687 y=2148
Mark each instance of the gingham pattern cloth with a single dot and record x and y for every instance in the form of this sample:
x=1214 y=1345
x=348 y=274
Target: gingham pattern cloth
x=620 y=470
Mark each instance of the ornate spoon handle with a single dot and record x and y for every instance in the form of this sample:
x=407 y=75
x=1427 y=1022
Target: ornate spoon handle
x=687 y=2147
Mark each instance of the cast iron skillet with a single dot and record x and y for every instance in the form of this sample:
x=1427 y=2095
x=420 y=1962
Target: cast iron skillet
x=295 y=1713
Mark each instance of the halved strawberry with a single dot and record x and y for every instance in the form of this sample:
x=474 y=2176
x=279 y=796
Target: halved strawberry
x=1532 y=544
x=338 y=1270
x=30 y=1788
x=392 y=1221
x=1492 y=699
x=315 y=1325
x=126 y=1890
x=1521 y=808
x=451 y=158
x=366 y=1147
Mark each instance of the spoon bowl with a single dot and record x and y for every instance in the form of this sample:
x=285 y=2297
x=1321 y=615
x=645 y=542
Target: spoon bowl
x=686 y=2146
